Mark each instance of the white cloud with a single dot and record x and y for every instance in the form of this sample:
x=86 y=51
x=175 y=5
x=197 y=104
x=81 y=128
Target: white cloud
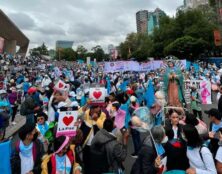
x=86 y=22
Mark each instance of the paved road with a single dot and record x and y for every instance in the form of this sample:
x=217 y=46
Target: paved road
x=129 y=161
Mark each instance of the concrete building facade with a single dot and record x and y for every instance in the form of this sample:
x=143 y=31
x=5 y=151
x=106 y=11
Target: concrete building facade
x=141 y=21
x=192 y=4
x=62 y=44
x=12 y=36
x=154 y=19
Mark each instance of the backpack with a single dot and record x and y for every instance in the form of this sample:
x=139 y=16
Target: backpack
x=4 y=120
x=201 y=156
x=23 y=109
x=98 y=156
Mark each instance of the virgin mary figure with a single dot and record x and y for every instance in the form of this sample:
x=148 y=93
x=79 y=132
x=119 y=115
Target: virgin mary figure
x=173 y=82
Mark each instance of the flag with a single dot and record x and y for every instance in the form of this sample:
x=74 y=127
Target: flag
x=196 y=67
x=149 y=95
x=5 y=148
x=108 y=83
x=123 y=85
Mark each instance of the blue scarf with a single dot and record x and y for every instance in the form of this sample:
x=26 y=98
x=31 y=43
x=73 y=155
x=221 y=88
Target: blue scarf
x=43 y=128
x=26 y=151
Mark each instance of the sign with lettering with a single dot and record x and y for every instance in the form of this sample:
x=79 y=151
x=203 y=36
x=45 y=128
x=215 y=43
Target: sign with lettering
x=66 y=123
x=97 y=95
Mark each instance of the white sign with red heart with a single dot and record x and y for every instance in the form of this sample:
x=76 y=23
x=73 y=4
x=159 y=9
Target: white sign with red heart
x=97 y=95
x=61 y=86
x=66 y=123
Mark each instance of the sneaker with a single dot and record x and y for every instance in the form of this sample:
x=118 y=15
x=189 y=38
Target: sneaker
x=14 y=123
x=134 y=155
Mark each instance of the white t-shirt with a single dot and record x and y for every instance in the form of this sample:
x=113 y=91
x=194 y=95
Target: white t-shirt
x=27 y=162
x=205 y=166
x=63 y=165
x=219 y=155
x=175 y=130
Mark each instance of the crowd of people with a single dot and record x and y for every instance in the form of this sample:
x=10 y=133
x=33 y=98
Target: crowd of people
x=148 y=106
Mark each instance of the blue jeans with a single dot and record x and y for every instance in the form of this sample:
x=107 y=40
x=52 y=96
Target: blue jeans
x=136 y=140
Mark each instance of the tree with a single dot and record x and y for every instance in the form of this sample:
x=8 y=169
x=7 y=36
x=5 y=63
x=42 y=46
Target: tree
x=174 y=32
x=66 y=54
x=81 y=51
x=41 y=50
x=136 y=46
x=186 y=47
x=99 y=53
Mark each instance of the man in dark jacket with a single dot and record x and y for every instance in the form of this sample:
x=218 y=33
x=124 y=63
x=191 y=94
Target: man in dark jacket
x=29 y=106
x=148 y=161
x=115 y=152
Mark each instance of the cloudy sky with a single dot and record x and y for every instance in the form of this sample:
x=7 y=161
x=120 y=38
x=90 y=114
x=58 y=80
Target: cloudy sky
x=86 y=22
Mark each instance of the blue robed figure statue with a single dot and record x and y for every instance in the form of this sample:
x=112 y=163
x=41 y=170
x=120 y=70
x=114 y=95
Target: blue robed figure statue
x=173 y=81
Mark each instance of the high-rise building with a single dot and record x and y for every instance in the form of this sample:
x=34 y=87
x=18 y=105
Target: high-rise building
x=141 y=21
x=154 y=19
x=63 y=44
x=192 y=4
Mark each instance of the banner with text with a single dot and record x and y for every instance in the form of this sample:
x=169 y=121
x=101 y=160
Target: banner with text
x=121 y=66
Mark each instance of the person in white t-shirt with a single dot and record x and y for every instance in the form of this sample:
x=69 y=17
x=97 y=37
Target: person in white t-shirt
x=219 y=154
x=200 y=158
x=29 y=151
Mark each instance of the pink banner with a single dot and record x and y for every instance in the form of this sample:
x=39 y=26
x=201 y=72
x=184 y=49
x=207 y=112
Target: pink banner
x=1 y=45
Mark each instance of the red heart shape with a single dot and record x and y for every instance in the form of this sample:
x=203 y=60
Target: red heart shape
x=61 y=85
x=97 y=94
x=67 y=120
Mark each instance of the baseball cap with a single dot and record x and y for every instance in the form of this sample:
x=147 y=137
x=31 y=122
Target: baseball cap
x=32 y=90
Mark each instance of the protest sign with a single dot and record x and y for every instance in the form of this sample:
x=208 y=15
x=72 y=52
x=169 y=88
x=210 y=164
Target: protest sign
x=205 y=92
x=61 y=86
x=203 y=88
x=97 y=95
x=66 y=123
x=187 y=89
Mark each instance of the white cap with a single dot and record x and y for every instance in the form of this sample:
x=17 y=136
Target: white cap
x=132 y=98
x=61 y=104
x=74 y=103
x=72 y=94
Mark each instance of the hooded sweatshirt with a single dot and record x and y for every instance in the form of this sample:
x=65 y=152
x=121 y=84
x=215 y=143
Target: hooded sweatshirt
x=116 y=152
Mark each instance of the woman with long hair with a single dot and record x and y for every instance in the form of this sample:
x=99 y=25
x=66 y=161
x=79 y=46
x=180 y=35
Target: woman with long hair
x=200 y=157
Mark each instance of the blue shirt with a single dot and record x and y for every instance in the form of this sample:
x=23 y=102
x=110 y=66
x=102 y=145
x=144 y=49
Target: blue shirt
x=216 y=127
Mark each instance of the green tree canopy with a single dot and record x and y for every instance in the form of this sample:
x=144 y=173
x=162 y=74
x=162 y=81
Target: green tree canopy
x=187 y=47
x=189 y=33
x=99 y=53
x=41 y=50
x=81 y=51
x=66 y=54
